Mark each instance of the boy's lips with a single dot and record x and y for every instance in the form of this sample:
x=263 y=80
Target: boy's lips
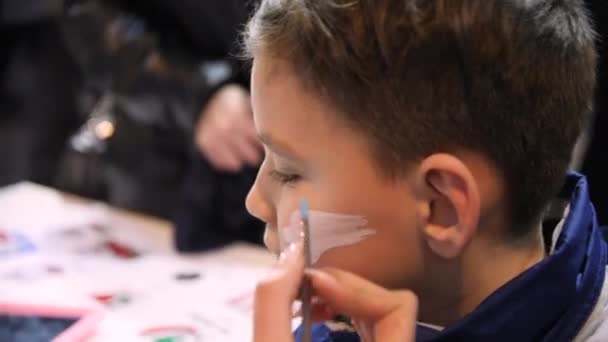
x=271 y=239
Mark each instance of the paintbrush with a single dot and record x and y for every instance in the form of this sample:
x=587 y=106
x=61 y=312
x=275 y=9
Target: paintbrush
x=306 y=290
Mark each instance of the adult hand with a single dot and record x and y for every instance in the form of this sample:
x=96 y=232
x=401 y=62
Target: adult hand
x=379 y=315
x=225 y=133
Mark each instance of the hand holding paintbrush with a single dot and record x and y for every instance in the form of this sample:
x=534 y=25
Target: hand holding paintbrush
x=379 y=315
x=306 y=290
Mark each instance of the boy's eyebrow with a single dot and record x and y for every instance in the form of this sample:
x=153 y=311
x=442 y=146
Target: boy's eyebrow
x=278 y=147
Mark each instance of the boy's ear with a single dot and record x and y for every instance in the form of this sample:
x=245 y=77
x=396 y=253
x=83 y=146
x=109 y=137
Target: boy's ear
x=452 y=203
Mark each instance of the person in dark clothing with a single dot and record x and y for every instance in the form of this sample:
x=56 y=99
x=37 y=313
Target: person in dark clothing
x=211 y=210
x=38 y=82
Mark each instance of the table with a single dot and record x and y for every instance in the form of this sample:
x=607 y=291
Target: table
x=156 y=296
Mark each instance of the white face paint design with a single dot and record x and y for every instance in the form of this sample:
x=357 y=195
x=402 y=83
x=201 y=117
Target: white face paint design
x=327 y=231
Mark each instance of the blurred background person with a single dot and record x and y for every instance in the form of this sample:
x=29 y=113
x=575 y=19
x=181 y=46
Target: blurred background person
x=38 y=82
x=160 y=120
x=211 y=209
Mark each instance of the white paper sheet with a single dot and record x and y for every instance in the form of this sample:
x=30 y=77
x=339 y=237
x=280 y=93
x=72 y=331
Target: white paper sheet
x=209 y=295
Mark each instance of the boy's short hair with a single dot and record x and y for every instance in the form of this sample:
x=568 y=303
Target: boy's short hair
x=511 y=79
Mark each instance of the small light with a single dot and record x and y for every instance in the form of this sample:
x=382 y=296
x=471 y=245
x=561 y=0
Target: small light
x=104 y=129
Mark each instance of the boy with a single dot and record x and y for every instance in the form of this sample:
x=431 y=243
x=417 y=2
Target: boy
x=447 y=127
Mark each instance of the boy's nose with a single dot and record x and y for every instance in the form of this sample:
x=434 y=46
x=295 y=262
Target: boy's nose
x=257 y=206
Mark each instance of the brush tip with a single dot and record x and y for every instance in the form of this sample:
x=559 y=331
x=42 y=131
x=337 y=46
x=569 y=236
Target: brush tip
x=304 y=209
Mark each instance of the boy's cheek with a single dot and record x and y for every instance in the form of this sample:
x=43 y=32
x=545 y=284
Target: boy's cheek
x=348 y=258
x=374 y=259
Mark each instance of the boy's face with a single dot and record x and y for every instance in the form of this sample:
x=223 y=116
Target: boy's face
x=312 y=154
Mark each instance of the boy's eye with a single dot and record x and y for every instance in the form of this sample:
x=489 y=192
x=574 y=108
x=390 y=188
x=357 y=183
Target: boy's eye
x=284 y=178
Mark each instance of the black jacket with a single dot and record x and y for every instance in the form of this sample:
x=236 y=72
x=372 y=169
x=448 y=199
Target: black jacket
x=211 y=212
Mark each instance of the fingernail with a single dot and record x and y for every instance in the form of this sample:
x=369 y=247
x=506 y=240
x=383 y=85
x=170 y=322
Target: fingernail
x=282 y=257
x=295 y=248
x=315 y=300
x=290 y=253
x=297 y=313
x=320 y=276
x=315 y=273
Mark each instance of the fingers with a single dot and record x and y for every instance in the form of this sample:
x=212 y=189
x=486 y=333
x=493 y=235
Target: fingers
x=232 y=155
x=399 y=325
x=393 y=313
x=320 y=311
x=247 y=151
x=222 y=156
x=226 y=133
x=247 y=142
x=352 y=295
x=230 y=152
x=274 y=296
